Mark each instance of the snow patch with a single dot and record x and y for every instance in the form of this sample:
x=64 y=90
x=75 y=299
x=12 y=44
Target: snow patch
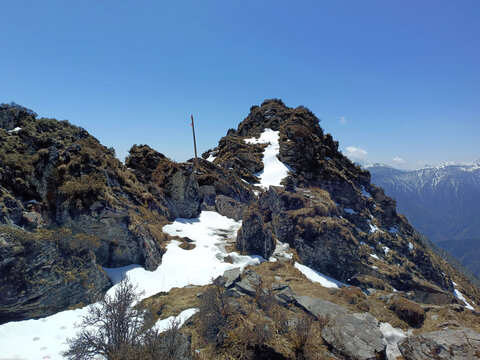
x=274 y=171
x=315 y=276
x=211 y=158
x=410 y=246
x=349 y=211
x=375 y=256
x=14 y=131
x=392 y=336
x=373 y=227
x=386 y=249
x=164 y=324
x=460 y=296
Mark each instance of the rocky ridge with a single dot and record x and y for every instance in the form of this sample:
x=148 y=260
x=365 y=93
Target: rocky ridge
x=329 y=212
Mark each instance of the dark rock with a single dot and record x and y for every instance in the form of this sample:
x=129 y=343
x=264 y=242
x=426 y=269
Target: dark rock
x=249 y=284
x=253 y=237
x=444 y=344
x=143 y=160
x=278 y=287
x=207 y=194
x=233 y=293
x=230 y=207
x=45 y=276
x=11 y=115
x=285 y=296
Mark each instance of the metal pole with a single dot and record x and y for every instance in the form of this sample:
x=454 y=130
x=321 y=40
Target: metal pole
x=194 y=143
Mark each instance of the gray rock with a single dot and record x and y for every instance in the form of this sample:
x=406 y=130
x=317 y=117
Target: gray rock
x=444 y=344
x=355 y=336
x=207 y=194
x=233 y=293
x=249 y=283
x=285 y=296
x=319 y=308
x=229 y=207
x=278 y=287
x=231 y=276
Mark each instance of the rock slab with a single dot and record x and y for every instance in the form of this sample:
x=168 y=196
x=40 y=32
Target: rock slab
x=445 y=344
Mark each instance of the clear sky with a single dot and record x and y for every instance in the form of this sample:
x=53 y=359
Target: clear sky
x=389 y=79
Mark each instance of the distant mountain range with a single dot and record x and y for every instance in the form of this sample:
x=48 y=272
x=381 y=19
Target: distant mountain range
x=442 y=202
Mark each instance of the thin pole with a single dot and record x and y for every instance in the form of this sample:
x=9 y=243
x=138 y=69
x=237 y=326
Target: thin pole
x=194 y=142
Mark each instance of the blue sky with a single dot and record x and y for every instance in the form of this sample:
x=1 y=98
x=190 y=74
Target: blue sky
x=389 y=79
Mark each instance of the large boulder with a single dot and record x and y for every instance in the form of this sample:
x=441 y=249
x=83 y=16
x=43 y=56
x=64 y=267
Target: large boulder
x=356 y=336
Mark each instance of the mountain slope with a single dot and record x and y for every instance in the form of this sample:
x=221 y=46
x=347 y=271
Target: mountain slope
x=443 y=202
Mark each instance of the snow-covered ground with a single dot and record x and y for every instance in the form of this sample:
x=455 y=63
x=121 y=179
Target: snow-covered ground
x=45 y=339
x=274 y=171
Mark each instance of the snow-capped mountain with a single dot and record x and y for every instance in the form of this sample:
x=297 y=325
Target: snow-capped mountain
x=442 y=201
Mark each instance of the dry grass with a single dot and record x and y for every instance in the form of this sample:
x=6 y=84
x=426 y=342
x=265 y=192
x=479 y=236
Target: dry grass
x=163 y=305
x=407 y=310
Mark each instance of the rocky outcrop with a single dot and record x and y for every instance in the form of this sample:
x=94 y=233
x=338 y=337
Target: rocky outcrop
x=47 y=272
x=55 y=176
x=444 y=344
x=326 y=209
x=186 y=190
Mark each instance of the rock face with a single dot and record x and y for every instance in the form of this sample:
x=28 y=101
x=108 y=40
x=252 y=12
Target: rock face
x=355 y=336
x=329 y=212
x=37 y=271
x=444 y=344
x=254 y=237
